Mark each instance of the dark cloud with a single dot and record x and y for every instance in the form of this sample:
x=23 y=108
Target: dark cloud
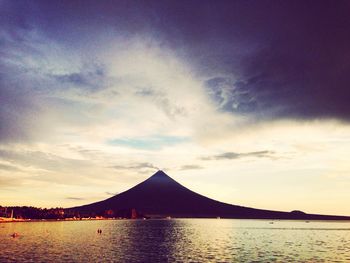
x=266 y=59
x=234 y=155
x=22 y=115
x=17 y=107
x=91 y=78
x=298 y=68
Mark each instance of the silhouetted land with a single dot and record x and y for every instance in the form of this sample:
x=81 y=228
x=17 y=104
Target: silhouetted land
x=30 y=212
x=161 y=196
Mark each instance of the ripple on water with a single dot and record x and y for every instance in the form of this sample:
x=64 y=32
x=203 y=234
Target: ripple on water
x=185 y=240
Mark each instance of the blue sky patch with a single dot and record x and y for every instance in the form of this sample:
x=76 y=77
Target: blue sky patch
x=148 y=143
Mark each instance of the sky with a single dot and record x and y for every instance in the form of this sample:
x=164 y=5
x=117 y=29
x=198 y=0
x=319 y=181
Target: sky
x=246 y=102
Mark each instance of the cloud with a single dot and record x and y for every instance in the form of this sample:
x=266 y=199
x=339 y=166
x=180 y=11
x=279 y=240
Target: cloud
x=265 y=69
x=231 y=96
x=17 y=109
x=75 y=198
x=41 y=160
x=110 y=193
x=59 y=91
x=88 y=78
x=8 y=167
x=286 y=75
x=136 y=166
x=190 y=167
x=25 y=64
x=42 y=168
x=7 y=181
x=234 y=155
x=131 y=88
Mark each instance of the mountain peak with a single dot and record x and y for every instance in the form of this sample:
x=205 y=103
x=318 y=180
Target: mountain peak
x=160 y=174
x=161 y=177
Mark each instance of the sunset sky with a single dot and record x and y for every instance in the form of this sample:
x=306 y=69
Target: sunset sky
x=246 y=102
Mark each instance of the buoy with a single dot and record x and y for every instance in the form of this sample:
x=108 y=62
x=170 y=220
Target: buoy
x=15 y=235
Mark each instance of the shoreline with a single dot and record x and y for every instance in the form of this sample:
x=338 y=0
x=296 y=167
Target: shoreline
x=56 y=220
x=104 y=219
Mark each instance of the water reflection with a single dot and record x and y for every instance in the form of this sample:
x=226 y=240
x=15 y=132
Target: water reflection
x=185 y=240
x=146 y=241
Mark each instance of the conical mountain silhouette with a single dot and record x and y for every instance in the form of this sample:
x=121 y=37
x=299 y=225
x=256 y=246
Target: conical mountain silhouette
x=161 y=196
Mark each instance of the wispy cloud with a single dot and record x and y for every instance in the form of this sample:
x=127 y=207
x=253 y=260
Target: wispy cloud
x=136 y=166
x=235 y=155
x=74 y=198
x=8 y=167
x=190 y=167
x=90 y=78
x=110 y=193
x=41 y=160
x=7 y=181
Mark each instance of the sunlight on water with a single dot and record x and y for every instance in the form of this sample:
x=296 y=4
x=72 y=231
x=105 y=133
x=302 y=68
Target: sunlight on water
x=181 y=240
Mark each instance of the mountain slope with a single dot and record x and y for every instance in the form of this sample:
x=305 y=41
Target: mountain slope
x=161 y=196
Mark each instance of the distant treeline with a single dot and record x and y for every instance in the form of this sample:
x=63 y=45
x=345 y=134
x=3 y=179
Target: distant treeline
x=30 y=212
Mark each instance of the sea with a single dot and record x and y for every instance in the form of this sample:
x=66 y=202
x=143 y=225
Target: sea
x=176 y=240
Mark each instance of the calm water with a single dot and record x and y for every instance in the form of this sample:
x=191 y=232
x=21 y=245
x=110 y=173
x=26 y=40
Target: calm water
x=182 y=240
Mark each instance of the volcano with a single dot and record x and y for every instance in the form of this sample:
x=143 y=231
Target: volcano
x=161 y=196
